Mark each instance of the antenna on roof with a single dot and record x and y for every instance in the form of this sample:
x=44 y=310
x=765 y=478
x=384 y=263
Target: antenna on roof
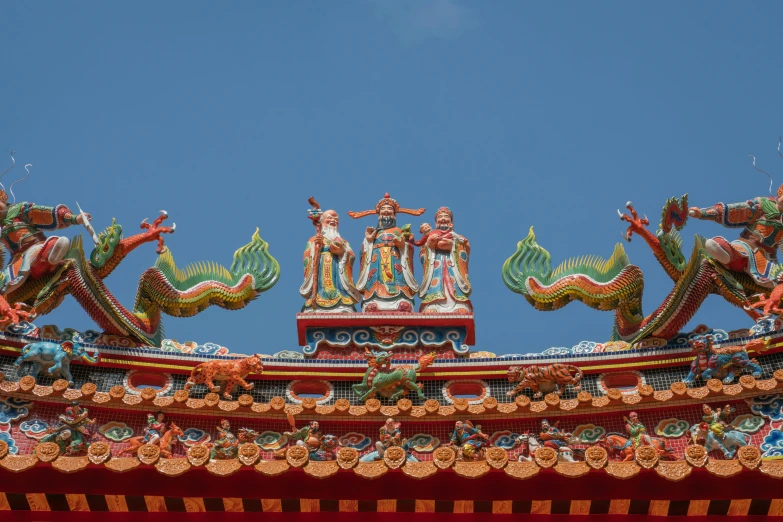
x=11 y=188
x=767 y=173
x=9 y=169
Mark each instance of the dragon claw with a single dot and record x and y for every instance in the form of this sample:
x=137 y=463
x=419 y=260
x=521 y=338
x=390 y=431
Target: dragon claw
x=154 y=230
x=636 y=223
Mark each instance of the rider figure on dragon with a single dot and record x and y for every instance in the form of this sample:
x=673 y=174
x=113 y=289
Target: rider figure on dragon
x=755 y=251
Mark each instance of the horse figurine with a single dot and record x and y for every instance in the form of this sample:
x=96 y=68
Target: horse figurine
x=619 y=443
x=164 y=442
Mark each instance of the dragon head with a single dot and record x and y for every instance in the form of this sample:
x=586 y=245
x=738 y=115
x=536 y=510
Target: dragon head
x=107 y=242
x=377 y=359
x=701 y=343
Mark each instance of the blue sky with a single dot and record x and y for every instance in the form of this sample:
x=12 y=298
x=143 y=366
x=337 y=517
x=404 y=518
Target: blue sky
x=229 y=115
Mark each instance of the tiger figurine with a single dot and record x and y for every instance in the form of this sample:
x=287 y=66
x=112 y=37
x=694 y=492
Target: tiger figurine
x=228 y=373
x=540 y=379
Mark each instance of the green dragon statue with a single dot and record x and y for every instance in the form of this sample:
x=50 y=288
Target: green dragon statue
x=615 y=284
x=164 y=288
x=381 y=378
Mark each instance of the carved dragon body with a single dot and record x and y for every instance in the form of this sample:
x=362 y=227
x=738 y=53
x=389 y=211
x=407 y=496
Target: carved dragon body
x=164 y=288
x=615 y=284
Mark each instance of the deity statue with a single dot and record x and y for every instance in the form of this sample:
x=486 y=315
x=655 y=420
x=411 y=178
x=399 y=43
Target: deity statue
x=226 y=446
x=755 y=251
x=71 y=434
x=328 y=264
x=469 y=441
x=445 y=285
x=386 y=273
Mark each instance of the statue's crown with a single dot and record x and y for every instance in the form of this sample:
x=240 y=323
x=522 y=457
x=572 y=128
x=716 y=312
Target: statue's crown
x=387 y=200
x=444 y=210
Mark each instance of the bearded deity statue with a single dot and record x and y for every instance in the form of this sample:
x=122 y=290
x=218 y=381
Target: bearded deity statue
x=386 y=273
x=445 y=285
x=328 y=263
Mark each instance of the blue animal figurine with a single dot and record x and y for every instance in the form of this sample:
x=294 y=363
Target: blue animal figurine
x=54 y=357
x=719 y=363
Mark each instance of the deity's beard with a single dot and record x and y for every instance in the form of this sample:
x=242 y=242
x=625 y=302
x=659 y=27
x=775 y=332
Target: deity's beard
x=444 y=227
x=385 y=222
x=330 y=233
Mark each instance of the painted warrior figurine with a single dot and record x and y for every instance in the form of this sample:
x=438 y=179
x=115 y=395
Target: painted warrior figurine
x=755 y=252
x=328 y=263
x=636 y=431
x=445 y=286
x=226 y=446
x=716 y=433
x=308 y=435
x=155 y=429
x=32 y=253
x=71 y=433
x=320 y=447
x=552 y=437
x=386 y=272
x=469 y=441
x=390 y=435
x=717 y=420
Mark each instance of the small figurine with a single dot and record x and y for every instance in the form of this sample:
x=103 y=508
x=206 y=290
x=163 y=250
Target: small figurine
x=552 y=437
x=720 y=363
x=445 y=286
x=320 y=446
x=226 y=445
x=716 y=432
x=544 y=379
x=71 y=434
x=638 y=436
x=55 y=358
x=549 y=437
x=469 y=442
x=381 y=378
x=386 y=272
x=156 y=433
x=155 y=429
x=328 y=263
x=229 y=374
x=390 y=435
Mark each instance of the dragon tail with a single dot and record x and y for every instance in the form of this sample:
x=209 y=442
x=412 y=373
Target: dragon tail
x=600 y=284
x=426 y=360
x=186 y=292
x=577 y=372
